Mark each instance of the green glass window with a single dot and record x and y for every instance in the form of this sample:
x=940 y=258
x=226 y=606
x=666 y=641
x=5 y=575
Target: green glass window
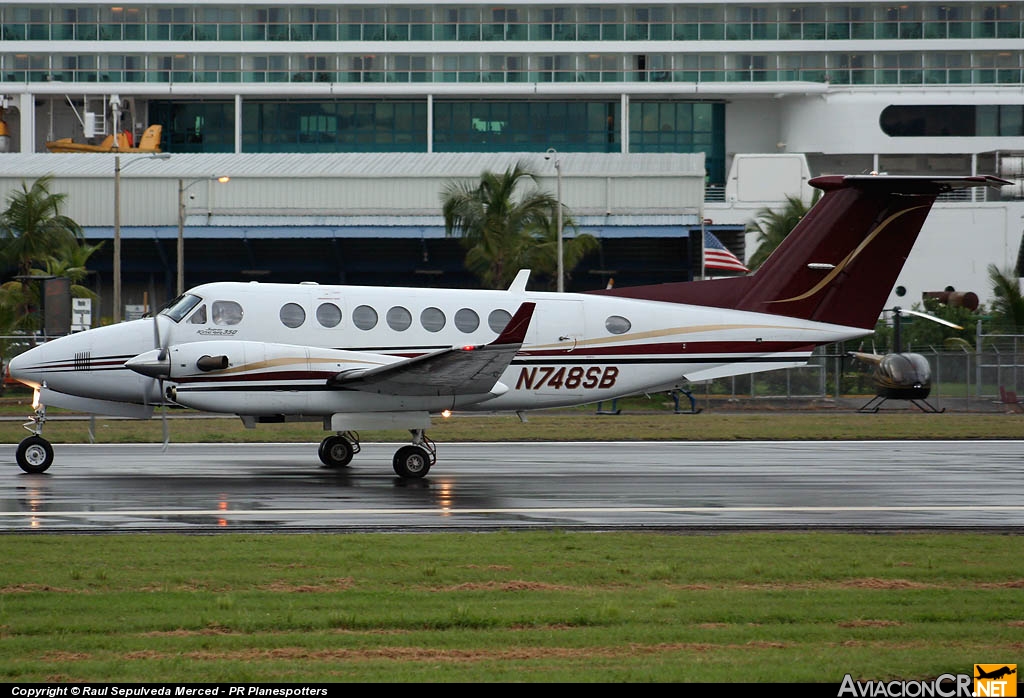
x=277 y=24
x=468 y=24
x=195 y=127
x=985 y=22
x=485 y=126
x=325 y=27
x=680 y=127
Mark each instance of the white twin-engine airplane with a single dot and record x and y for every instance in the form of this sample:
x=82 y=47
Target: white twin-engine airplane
x=377 y=357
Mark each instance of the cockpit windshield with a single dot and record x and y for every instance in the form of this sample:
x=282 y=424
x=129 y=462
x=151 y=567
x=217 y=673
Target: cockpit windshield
x=180 y=306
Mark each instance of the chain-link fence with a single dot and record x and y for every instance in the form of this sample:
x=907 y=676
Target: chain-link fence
x=978 y=379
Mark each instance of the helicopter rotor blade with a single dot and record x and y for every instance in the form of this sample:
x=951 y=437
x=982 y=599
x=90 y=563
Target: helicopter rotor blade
x=926 y=316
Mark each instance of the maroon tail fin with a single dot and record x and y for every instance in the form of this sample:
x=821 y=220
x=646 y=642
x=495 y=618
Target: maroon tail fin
x=839 y=263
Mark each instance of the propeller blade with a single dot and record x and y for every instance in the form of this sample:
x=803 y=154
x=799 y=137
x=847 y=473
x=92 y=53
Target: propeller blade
x=167 y=432
x=157 y=342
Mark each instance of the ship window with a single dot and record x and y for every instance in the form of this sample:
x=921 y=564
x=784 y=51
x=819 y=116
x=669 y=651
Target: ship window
x=328 y=315
x=467 y=320
x=399 y=318
x=198 y=317
x=498 y=320
x=616 y=324
x=292 y=315
x=364 y=317
x=226 y=313
x=432 y=319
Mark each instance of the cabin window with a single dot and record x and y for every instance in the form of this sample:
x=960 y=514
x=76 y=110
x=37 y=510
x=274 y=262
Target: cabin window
x=616 y=324
x=226 y=313
x=328 y=315
x=292 y=315
x=364 y=317
x=498 y=320
x=198 y=317
x=399 y=318
x=467 y=320
x=432 y=319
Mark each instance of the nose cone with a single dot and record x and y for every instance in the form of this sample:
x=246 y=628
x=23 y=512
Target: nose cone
x=155 y=363
x=26 y=367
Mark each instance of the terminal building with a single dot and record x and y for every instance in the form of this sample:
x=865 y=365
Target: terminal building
x=340 y=124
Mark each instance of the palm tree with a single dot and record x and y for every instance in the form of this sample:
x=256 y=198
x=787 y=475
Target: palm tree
x=543 y=257
x=772 y=227
x=33 y=234
x=496 y=220
x=1007 y=305
x=32 y=228
x=71 y=263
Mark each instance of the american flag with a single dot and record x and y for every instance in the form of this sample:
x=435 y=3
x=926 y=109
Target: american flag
x=717 y=256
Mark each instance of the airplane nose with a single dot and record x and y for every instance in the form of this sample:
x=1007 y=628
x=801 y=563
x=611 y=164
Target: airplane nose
x=19 y=369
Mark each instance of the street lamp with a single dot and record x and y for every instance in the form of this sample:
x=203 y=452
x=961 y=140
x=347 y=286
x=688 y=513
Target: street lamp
x=117 y=221
x=181 y=223
x=552 y=154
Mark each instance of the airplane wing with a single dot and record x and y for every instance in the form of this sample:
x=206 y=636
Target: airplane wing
x=465 y=370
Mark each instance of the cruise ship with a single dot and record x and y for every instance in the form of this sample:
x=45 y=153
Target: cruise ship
x=766 y=95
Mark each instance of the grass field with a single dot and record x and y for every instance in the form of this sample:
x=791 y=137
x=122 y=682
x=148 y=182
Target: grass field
x=535 y=606
x=582 y=425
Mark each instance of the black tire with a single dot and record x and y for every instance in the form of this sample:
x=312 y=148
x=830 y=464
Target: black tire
x=35 y=454
x=335 y=452
x=411 y=462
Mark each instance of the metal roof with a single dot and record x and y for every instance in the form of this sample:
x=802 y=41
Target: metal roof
x=361 y=165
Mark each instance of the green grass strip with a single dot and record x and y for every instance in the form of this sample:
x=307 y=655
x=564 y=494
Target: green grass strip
x=530 y=606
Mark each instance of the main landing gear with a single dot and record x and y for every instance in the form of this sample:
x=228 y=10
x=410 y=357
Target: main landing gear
x=35 y=454
x=337 y=451
x=410 y=462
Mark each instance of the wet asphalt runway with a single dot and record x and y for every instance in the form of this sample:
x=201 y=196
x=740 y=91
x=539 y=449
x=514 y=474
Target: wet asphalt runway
x=598 y=486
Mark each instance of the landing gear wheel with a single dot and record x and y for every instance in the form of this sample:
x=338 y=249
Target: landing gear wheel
x=35 y=454
x=336 y=452
x=412 y=462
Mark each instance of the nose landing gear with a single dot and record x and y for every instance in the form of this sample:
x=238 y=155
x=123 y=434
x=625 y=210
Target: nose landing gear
x=35 y=454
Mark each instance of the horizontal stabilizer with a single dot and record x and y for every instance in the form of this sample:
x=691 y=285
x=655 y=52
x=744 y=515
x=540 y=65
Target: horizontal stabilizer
x=469 y=370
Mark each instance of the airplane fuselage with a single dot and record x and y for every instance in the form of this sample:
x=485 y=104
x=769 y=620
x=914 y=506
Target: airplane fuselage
x=285 y=341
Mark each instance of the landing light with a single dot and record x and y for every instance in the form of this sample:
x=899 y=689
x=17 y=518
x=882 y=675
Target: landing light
x=35 y=399
x=446 y=413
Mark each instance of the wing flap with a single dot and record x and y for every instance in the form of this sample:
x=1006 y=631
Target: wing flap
x=467 y=370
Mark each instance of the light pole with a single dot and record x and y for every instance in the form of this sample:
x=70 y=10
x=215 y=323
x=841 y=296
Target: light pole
x=181 y=224
x=117 y=222
x=552 y=154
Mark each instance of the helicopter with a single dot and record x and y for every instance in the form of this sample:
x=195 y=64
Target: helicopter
x=901 y=375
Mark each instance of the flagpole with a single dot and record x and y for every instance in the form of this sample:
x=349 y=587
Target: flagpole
x=703 y=248
x=700 y=212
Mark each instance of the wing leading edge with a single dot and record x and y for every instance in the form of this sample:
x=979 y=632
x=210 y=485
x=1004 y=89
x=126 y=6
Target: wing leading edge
x=468 y=370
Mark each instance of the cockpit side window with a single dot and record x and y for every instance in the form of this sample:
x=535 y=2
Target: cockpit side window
x=198 y=317
x=226 y=313
x=180 y=306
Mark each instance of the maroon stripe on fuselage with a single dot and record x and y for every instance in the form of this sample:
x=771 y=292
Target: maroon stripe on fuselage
x=675 y=348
